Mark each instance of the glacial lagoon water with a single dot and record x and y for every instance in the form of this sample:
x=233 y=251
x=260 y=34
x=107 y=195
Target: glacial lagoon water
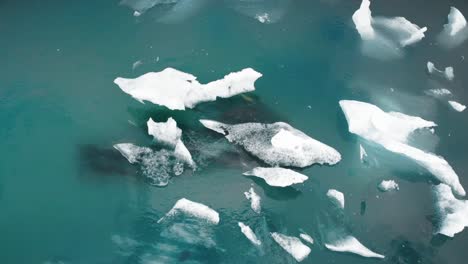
x=67 y=196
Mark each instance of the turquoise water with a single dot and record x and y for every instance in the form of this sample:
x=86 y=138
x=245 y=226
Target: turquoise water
x=67 y=197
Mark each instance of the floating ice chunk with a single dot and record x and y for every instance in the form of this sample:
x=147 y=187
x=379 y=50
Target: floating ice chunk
x=362 y=153
x=131 y=152
x=306 y=238
x=292 y=245
x=453 y=213
x=254 y=200
x=136 y=13
x=277 y=177
x=389 y=185
x=441 y=92
x=362 y=19
x=263 y=18
x=249 y=234
x=391 y=130
x=277 y=144
x=457 y=106
x=177 y=90
x=193 y=209
x=352 y=245
x=337 y=197
x=456 y=22
x=447 y=73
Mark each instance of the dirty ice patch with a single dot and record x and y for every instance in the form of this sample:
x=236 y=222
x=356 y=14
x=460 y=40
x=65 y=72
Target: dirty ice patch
x=391 y=130
x=249 y=234
x=453 y=213
x=178 y=90
x=277 y=177
x=350 y=244
x=336 y=197
x=254 y=200
x=277 y=144
x=292 y=245
x=455 y=31
x=193 y=209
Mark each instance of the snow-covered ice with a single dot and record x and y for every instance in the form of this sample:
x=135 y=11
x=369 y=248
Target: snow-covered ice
x=278 y=177
x=351 y=245
x=292 y=245
x=457 y=106
x=277 y=144
x=193 y=209
x=388 y=185
x=179 y=90
x=254 y=200
x=337 y=197
x=391 y=130
x=249 y=234
x=453 y=213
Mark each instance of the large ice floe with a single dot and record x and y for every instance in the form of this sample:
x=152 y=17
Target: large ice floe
x=292 y=245
x=455 y=31
x=178 y=90
x=192 y=209
x=351 y=245
x=337 y=197
x=447 y=73
x=254 y=200
x=277 y=177
x=249 y=234
x=385 y=37
x=277 y=144
x=388 y=185
x=457 y=106
x=391 y=131
x=453 y=213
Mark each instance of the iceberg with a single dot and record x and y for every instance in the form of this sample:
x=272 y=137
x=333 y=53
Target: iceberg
x=193 y=209
x=457 y=106
x=337 y=197
x=455 y=31
x=351 y=245
x=453 y=213
x=391 y=130
x=389 y=185
x=277 y=144
x=254 y=200
x=249 y=234
x=277 y=177
x=292 y=245
x=447 y=73
x=178 y=90
x=307 y=238
x=362 y=153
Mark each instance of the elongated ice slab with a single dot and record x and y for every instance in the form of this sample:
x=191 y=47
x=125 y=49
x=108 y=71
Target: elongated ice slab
x=249 y=234
x=193 y=209
x=453 y=213
x=277 y=177
x=254 y=200
x=277 y=144
x=307 y=238
x=389 y=185
x=337 y=197
x=362 y=153
x=177 y=90
x=447 y=73
x=292 y=245
x=457 y=106
x=351 y=245
x=391 y=130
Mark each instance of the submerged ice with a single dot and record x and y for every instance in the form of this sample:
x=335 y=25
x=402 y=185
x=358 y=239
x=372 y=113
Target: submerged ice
x=292 y=245
x=277 y=144
x=277 y=177
x=178 y=90
x=351 y=245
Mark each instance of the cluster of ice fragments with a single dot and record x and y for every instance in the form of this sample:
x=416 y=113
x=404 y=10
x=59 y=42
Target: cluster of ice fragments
x=351 y=245
x=447 y=73
x=389 y=185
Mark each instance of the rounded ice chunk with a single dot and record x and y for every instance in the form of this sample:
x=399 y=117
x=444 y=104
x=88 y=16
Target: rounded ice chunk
x=389 y=185
x=456 y=22
x=292 y=245
x=351 y=245
x=337 y=197
x=193 y=209
x=277 y=177
x=453 y=213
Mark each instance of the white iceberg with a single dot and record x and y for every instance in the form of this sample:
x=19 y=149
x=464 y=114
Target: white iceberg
x=457 y=106
x=277 y=144
x=351 y=245
x=455 y=31
x=177 y=90
x=389 y=185
x=391 y=130
x=307 y=238
x=453 y=212
x=277 y=177
x=447 y=73
x=193 y=209
x=254 y=200
x=249 y=234
x=292 y=245
x=337 y=197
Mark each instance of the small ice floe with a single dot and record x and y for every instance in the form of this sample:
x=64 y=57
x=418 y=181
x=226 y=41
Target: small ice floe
x=193 y=209
x=391 y=130
x=337 y=197
x=439 y=92
x=132 y=152
x=178 y=90
x=447 y=73
x=384 y=37
x=455 y=31
x=351 y=245
x=137 y=64
x=307 y=238
x=136 y=13
x=263 y=18
x=277 y=144
x=362 y=153
x=453 y=213
x=277 y=177
x=249 y=234
x=254 y=200
x=457 y=106
x=389 y=185
x=292 y=245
